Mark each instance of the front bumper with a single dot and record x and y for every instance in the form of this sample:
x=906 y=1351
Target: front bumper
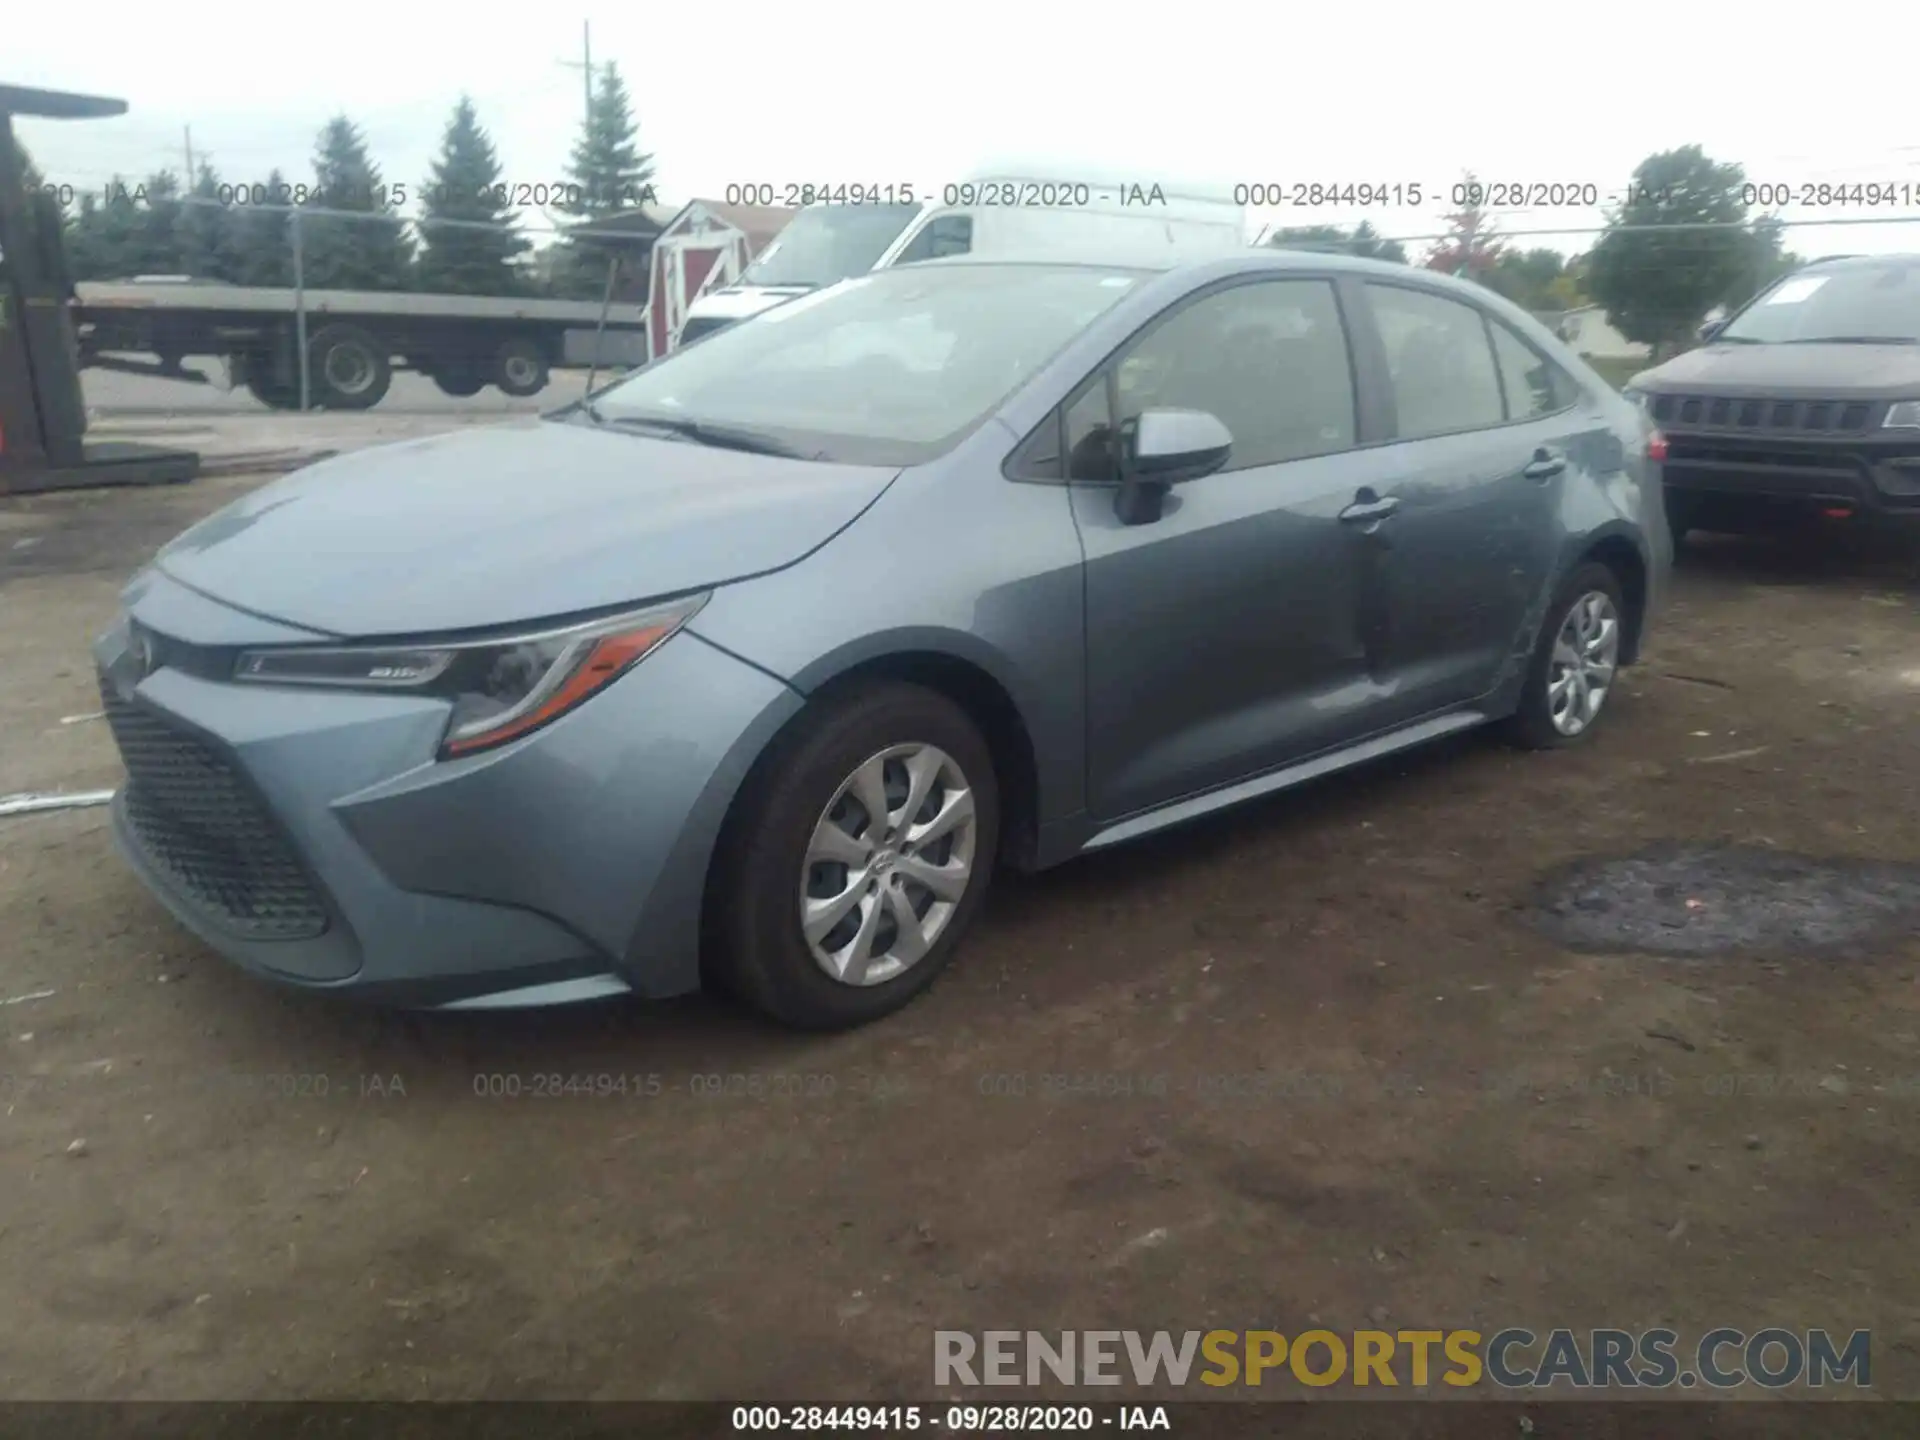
x=312 y=838
x=1864 y=473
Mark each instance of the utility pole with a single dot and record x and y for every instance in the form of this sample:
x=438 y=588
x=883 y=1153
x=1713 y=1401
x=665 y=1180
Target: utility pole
x=585 y=63
x=187 y=182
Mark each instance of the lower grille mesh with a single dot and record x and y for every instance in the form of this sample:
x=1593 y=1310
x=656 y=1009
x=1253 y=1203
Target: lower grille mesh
x=197 y=821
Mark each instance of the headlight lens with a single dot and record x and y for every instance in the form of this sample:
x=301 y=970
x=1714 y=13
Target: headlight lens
x=1636 y=398
x=1902 y=415
x=501 y=689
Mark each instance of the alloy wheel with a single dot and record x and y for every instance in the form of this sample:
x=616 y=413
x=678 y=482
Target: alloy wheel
x=890 y=859
x=1586 y=656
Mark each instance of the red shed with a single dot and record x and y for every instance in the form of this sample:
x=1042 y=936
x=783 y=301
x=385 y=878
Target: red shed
x=702 y=248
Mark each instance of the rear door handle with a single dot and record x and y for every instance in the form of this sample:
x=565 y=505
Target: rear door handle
x=1369 y=508
x=1545 y=464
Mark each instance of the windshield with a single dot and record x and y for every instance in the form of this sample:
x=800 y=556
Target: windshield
x=891 y=368
x=827 y=243
x=1857 y=303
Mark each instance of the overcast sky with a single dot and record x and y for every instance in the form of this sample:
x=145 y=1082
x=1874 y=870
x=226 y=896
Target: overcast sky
x=841 y=92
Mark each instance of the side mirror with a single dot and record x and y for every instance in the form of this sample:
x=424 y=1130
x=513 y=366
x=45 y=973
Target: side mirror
x=1710 y=330
x=1163 y=448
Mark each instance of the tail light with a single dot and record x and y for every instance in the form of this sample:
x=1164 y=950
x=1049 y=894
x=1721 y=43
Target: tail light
x=1656 y=447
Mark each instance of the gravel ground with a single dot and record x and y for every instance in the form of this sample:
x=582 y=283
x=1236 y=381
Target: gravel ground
x=1334 y=1058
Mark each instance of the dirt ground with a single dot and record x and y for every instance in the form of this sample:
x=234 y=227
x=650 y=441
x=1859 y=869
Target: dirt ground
x=1431 y=1114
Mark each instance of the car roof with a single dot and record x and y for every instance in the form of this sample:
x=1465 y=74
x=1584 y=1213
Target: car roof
x=1253 y=258
x=1860 y=262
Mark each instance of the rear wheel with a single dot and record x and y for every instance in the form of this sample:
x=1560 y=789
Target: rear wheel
x=856 y=859
x=520 y=369
x=1574 y=665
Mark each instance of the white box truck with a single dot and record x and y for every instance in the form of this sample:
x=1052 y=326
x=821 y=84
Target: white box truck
x=1012 y=212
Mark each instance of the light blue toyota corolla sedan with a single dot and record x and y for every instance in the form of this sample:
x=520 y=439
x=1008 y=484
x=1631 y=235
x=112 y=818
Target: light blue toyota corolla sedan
x=755 y=666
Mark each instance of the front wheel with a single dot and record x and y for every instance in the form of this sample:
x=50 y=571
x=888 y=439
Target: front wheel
x=1575 y=663
x=856 y=859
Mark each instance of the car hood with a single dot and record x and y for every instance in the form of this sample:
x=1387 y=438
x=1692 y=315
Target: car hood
x=1868 y=372
x=499 y=525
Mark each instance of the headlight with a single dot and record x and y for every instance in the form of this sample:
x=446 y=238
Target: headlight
x=501 y=689
x=1902 y=415
x=1637 y=398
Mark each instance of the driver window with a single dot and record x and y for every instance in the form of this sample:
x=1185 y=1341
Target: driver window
x=1269 y=359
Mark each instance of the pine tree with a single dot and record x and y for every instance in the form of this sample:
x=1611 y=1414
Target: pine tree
x=262 y=238
x=352 y=254
x=465 y=186
x=159 y=227
x=608 y=170
x=608 y=173
x=208 y=247
x=132 y=230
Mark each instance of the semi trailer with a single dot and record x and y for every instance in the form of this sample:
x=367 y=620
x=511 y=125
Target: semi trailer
x=355 y=339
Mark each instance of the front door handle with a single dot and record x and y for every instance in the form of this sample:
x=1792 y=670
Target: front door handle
x=1545 y=464
x=1368 y=508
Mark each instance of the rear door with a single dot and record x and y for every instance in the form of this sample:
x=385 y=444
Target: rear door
x=1485 y=430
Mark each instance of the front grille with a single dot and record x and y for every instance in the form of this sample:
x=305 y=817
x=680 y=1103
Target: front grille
x=197 y=821
x=1758 y=416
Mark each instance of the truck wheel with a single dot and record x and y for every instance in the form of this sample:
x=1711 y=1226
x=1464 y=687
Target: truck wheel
x=272 y=394
x=349 y=369
x=520 y=369
x=460 y=380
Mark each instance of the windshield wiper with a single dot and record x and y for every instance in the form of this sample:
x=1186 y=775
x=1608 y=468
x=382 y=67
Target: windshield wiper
x=1856 y=340
x=721 y=437
x=1739 y=340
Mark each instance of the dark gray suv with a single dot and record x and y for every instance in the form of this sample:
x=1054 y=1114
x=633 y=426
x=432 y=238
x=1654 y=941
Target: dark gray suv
x=1805 y=404
x=755 y=665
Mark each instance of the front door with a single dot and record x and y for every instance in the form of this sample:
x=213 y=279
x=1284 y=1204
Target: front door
x=1224 y=638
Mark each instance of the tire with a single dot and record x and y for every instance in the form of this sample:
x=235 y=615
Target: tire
x=1681 y=510
x=759 y=950
x=348 y=368
x=460 y=383
x=520 y=368
x=1533 y=725
x=273 y=396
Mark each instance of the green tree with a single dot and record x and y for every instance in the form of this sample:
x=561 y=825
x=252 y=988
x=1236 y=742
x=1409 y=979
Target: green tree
x=1657 y=287
x=465 y=186
x=262 y=237
x=159 y=225
x=1768 y=259
x=607 y=173
x=1527 y=277
x=1363 y=240
x=339 y=253
x=133 y=229
x=207 y=230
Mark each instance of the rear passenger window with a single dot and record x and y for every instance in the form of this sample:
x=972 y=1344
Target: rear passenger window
x=1533 y=385
x=1439 y=361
